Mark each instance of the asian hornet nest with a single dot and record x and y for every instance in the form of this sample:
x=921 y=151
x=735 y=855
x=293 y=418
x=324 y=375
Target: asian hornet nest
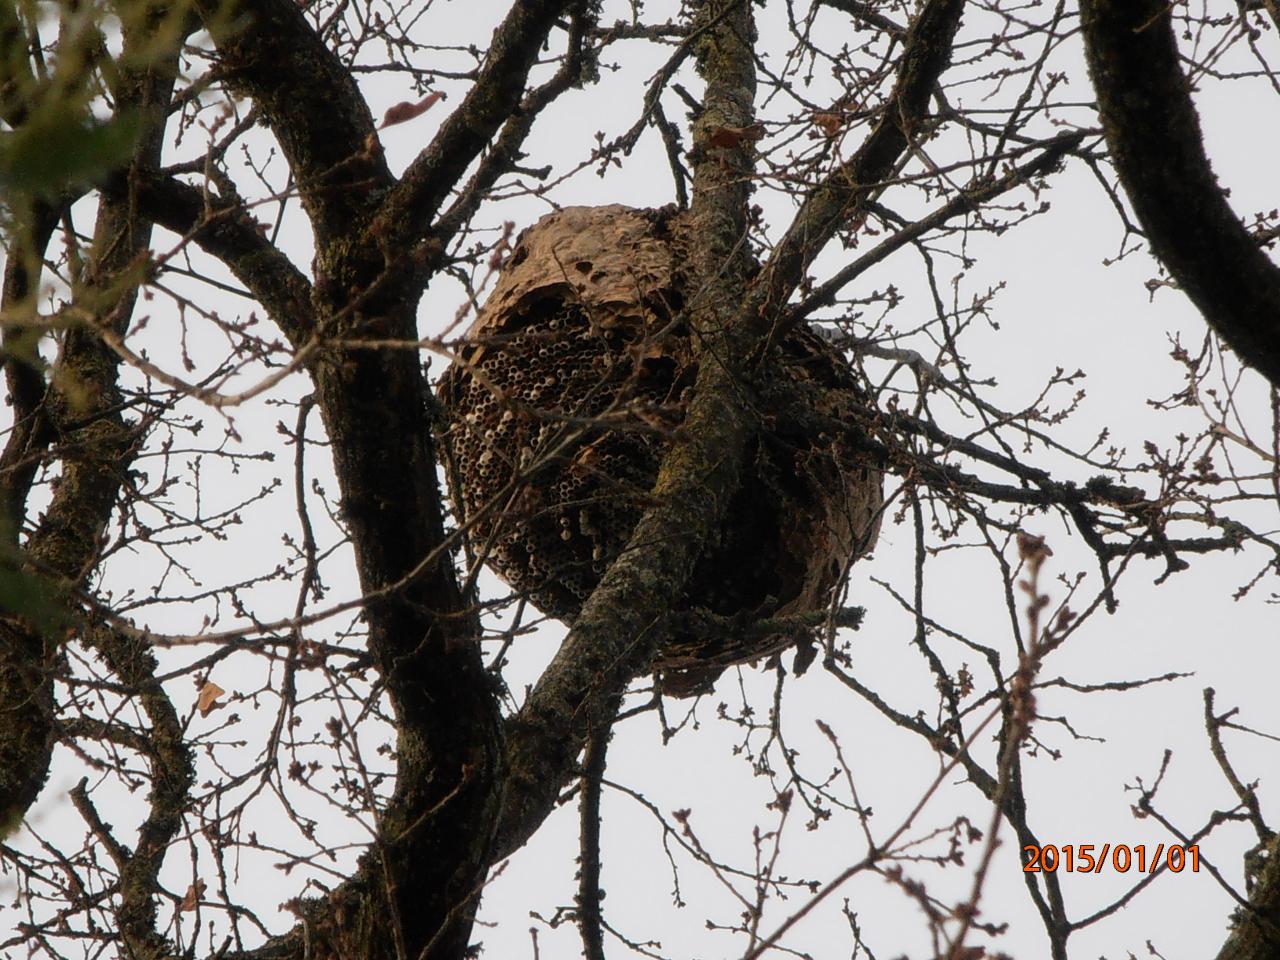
x=563 y=399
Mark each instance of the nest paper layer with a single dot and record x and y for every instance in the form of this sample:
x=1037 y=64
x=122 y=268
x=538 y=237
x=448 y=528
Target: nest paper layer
x=563 y=400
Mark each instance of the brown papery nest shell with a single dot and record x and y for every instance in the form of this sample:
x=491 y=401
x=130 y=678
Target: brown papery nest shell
x=566 y=393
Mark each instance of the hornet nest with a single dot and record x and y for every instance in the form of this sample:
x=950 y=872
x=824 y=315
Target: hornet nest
x=563 y=399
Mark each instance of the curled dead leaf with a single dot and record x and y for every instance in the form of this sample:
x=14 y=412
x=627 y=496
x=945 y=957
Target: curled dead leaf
x=830 y=123
x=407 y=109
x=207 y=702
x=192 y=896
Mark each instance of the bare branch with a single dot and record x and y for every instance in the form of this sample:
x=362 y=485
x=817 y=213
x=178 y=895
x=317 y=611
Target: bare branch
x=1154 y=133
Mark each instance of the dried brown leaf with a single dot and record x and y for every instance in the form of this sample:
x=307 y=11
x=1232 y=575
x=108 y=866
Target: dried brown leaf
x=830 y=123
x=192 y=897
x=407 y=109
x=207 y=702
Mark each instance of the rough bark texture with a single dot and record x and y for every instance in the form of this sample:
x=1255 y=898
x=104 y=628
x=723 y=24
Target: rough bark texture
x=1257 y=929
x=314 y=108
x=80 y=410
x=1153 y=131
x=621 y=625
x=26 y=721
x=26 y=686
x=415 y=891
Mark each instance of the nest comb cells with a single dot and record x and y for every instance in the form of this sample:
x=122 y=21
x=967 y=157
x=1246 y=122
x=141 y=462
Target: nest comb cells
x=563 y=399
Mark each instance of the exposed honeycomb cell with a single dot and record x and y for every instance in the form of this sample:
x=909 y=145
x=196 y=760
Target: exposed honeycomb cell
x=555 y=443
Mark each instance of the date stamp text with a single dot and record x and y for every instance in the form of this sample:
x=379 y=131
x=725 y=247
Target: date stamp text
x=1120 y=857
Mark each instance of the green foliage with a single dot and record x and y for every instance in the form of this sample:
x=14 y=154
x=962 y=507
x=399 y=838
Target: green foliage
x=24 y=593
x=52 y=141
x=56 y=138
x=57 y=147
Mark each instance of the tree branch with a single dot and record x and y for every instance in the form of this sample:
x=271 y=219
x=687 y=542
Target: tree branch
x=314 y=107
x=967 y=200
x=589 y=892
x=1154 y=134
x=26 y=383
x=409 y=209
x=98 y=445
x=172 y=773
x=223 y=228
x=1256 y=936
x=836 y=200
x=622 y=622
x=505 y=151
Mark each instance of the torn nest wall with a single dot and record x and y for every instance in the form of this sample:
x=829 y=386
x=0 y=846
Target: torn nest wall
x=568 y=389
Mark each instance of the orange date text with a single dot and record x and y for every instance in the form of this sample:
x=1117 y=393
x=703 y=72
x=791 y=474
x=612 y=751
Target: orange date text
x=1120 y=857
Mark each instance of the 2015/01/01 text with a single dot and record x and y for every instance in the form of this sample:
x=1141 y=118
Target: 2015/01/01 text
x=1094 y=858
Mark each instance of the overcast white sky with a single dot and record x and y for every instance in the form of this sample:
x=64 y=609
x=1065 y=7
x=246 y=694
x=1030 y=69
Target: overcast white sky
x=1061 y=308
